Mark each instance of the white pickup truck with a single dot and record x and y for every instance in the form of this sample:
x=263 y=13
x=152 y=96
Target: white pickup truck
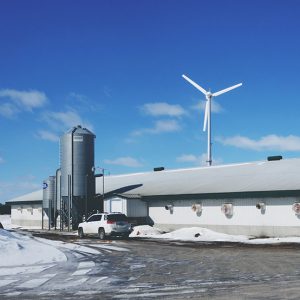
x=105 y=224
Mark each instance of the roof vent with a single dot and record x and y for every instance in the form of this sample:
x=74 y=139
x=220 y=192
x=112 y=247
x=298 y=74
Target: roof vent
x=158 y=169
x=272 y=158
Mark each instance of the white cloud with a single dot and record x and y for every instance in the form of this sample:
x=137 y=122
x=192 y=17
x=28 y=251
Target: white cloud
x=191 y=158
x=200 y=160
x=8 y=110
x=83 y=103
x=187 y=158
x=61 y=121
x=19 y=101
x=124 y=161
x=22 y=185
x=161 y=126
x=163 y=109
x=48 y=136
x=269 y=142
x=215 y=107
x=26 y=100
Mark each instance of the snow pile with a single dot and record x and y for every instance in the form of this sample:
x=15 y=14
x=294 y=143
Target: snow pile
x=17 y=250
x=5 y=221
x=199 y=234
x=203 y=234
x=186 y=234
x=145 y=230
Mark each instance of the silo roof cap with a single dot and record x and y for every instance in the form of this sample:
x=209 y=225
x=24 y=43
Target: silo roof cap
x=78 y=130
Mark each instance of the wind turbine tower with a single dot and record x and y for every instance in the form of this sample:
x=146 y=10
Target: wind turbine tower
x=207 y=116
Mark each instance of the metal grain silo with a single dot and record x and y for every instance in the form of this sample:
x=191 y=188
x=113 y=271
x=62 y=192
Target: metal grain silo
x=49 y=198
x=77 y=176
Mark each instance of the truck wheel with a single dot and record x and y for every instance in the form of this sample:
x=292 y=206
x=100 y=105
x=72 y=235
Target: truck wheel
x=101 y=234
x=80 y=233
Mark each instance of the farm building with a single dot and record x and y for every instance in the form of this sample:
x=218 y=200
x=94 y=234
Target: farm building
x=27 y=209
x=259 y=199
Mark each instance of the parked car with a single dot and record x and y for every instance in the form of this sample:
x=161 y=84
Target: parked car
x=105 y=224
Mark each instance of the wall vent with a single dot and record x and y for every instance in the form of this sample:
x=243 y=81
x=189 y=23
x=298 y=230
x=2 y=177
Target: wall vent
x=276 y=157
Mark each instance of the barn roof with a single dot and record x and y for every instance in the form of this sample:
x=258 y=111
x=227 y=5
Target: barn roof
x=264 y=176
x=36 y=196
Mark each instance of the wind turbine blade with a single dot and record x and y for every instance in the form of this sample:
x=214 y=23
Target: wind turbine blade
x=226 y=90
x=205 y=116
x=197 y=86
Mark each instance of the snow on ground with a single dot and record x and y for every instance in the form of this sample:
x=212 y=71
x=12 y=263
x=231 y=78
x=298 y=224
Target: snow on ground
x=70 y=246
x=18 y=250
x=199 y=234
x=5 y=221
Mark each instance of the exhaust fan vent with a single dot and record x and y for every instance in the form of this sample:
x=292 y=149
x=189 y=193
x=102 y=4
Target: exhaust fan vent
x=272 y=158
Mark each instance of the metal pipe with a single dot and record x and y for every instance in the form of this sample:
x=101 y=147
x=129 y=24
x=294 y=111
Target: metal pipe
x=209 y=159
x=72 y=176
x=103 y=183
x=69 y=201
x=43 y=209
x=86 y=194
x=55 y=206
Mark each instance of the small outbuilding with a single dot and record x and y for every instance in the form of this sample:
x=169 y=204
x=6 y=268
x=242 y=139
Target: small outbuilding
x=26 y=210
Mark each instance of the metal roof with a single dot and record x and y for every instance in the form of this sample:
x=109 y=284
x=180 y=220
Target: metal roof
x=264 y=176
x=36 y=196
x=79 y=130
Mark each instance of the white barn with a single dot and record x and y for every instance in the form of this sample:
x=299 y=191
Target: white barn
x=259 y=199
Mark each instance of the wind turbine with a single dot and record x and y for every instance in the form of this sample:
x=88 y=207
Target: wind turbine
x=207 y=116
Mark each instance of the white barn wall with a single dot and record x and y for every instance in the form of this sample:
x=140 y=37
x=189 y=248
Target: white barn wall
x=130 y=207
x=137 y=208
x=29 y=215
x=278 y=219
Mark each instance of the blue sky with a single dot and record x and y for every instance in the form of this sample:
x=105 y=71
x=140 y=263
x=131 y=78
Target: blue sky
x=115 y=67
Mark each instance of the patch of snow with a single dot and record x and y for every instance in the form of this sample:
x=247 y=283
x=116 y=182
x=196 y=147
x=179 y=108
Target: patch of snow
x=5 y=221
x=101 y=278
x=199 y=234
x=145 y=230
x=109 y=247
x=278 y=240
x=75 y=282
x=81 y=272
x=203 y=234
x=18 y=250
x=4 y=282
x=74 y=247
x=33 y=283
x=24 y=270
x=86 y=264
